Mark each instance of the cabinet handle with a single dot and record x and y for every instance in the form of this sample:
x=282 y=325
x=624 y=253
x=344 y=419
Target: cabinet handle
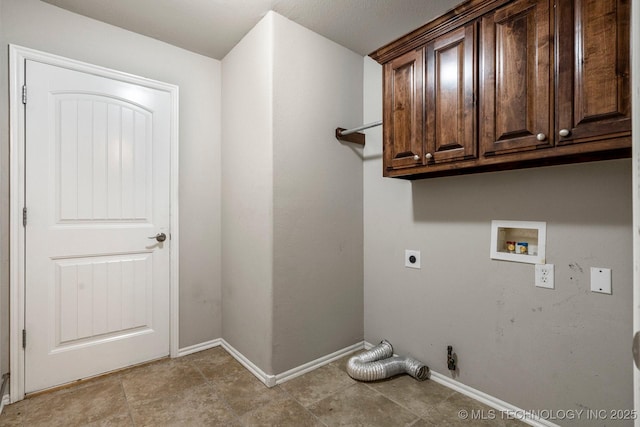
x=416 y=157
x=541 y=137
x=564 y=132
x=428 y=156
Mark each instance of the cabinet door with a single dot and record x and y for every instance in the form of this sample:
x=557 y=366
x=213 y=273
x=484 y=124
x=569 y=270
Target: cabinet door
x=593 y=95
x=403 y=111
x=515 y=78
x=450 y=90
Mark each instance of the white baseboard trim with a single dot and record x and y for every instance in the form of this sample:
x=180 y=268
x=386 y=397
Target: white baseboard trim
x=272 y=380
x=199 y=347
x=315 y=364
x=268 y=379
x=500 y=405
x=6 y=399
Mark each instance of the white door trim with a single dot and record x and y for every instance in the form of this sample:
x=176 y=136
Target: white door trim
x=635 y=126
x=17 y=57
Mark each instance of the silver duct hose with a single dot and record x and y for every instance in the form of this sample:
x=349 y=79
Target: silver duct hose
x=380 y=363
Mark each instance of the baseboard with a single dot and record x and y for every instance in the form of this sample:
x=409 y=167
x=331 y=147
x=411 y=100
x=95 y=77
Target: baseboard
x=199 y=347
x=500 y=405
x=6 y=399
x=268 y=379
x=272 y=380
x=315 y=364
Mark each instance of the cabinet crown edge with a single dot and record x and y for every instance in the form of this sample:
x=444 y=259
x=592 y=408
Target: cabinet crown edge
x=455 y=17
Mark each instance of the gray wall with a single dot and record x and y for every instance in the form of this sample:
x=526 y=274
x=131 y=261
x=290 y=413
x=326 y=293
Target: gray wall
x=317 y=297
x=38 y=25
x=535 y=348
x=292 y=197
x=247 y=195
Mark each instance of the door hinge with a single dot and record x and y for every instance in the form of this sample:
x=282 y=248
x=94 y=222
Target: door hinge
x=24 y=338
x=24 y=94
x=24 y=217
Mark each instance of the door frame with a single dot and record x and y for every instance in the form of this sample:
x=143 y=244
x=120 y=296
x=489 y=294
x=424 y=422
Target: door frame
x=635 y=159
x=17 y=57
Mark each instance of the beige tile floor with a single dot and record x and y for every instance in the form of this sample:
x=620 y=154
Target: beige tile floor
x=210 y=388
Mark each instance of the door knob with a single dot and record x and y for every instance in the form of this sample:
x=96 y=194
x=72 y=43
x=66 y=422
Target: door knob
x=564 y=132
x=541 y=137
x=160 y=237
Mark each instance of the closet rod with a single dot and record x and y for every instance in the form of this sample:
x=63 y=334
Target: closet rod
x=363 y=127
x=353 y=135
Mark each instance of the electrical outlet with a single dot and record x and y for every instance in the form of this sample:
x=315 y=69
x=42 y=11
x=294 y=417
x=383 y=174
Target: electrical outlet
x=544 y=276
x=412 y=259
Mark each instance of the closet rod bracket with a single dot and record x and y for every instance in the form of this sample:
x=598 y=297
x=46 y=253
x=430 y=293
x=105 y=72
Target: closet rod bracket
x=352 y=135
x=356 y=138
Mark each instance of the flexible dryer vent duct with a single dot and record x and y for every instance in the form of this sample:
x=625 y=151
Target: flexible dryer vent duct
x=380 y=363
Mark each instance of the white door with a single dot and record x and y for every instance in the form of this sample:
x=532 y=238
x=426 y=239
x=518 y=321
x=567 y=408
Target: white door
x=97 y=187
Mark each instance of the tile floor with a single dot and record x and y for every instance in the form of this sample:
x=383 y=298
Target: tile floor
x=210 y=388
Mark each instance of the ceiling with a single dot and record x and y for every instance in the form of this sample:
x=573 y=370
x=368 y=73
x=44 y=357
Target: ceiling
x=213 y=27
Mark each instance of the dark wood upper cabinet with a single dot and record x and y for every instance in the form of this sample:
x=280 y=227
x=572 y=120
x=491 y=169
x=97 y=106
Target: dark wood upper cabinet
x=450 y=96
x=504 y=84
x=516 y=78
x=403 y=111
x=593 y=96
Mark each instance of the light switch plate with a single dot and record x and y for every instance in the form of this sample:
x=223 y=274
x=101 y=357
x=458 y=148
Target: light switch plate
x=412 y=259
x=601 y=280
